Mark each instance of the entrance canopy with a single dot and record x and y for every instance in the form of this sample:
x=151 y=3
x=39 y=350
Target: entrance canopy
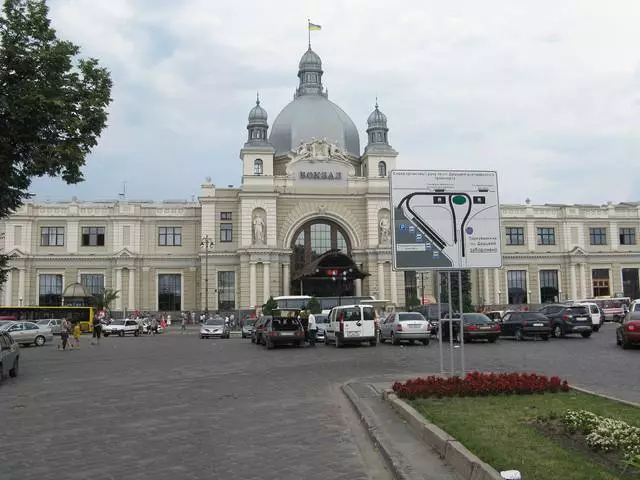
x=333 y=264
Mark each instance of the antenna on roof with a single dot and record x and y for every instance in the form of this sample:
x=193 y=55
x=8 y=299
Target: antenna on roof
x=123 y=194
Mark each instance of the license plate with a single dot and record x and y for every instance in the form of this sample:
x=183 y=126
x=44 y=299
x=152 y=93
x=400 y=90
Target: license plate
x=485 y=328
x=353 y=334
x=538 y=324
x=414 y=325
x=287 y=334
x=581 y=319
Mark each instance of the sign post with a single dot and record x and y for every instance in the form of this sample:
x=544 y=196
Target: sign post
x=446 y=221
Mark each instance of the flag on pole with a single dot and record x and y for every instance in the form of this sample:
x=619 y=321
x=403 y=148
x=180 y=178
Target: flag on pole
x=313 y=26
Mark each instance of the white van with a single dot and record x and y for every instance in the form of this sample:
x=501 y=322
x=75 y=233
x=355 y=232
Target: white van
x=351 y=324
x=594 y=312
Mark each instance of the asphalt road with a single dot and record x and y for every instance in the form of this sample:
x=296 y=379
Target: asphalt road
x=177 y=407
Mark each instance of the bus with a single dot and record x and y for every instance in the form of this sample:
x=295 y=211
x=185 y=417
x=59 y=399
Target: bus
x=82 y=315
x=299 y=302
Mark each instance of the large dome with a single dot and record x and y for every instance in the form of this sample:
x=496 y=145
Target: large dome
x=313 y=116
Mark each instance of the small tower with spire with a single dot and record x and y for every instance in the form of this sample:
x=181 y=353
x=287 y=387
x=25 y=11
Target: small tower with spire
x=379 y=157
x=257 y=153
x=310 y=75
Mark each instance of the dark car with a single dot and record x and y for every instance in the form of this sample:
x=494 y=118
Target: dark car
x=282 y=331
x=477 y=326
x=628 y=332
x=525 y=324
x=256 y=333
x=571 y=319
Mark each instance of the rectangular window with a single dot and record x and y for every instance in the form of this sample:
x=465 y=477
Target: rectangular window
x=631 y=282
x=549 y=286
x=411 y=293
x=170 y=236
x=517 y=285
x=598 y=236
x=515 y=235
x=546 y=236
x=93 y=282
x=169 y=292
x=627 y=236
x=225 y=216
x=52 y=236
x=226 y=232
x=50 y=290
x=226 y=291
x=600 y=282
x=93 y=236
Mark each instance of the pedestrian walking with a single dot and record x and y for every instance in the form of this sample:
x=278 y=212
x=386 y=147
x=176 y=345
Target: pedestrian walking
x=97 y=331
x=76 y=335
x=313 y=329
x=154 y=326
x=64 y=337
x=163 y=323
x=183 y=325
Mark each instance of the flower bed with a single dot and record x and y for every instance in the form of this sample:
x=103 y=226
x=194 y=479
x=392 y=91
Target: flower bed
x=605 y=434
x=479 y=384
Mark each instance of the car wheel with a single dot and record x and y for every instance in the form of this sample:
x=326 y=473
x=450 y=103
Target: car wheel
x=557 y=332
x=625 y=344
x=121 y=333
x=136 y=333
x=40 y=340
x=544 y=337
x=596 y=328
x=519 y=335
x=13 y=373
x=425 y=342
x=394 y=340
x=585 y=334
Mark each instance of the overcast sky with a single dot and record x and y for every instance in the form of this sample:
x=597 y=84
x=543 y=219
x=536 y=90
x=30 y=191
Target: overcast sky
x=546 y=94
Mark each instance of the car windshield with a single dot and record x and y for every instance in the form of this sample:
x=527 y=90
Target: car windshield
x=215 y=321
x=475 y=318
x=117 y=322
x=249 y=323
x=43 y=322
x=415 y=316
x=322 y=319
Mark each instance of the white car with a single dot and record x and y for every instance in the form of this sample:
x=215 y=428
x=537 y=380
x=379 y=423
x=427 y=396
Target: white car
x=351 y=324
x=122 y=328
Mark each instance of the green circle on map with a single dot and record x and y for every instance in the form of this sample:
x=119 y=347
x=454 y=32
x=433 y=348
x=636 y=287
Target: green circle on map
x=459 y=200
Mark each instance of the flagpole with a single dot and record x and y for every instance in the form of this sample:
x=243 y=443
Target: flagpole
x=309 y=31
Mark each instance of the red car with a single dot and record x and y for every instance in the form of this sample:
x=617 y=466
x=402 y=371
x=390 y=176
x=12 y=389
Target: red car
x=628 y=333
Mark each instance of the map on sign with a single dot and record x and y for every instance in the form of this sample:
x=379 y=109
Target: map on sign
x=445 y=219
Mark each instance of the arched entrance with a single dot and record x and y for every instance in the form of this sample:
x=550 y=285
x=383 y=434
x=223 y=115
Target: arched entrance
x=321 y=261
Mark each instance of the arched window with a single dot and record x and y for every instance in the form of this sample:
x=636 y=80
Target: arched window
x=257 y=166
x=382 y=169
x=315 y=238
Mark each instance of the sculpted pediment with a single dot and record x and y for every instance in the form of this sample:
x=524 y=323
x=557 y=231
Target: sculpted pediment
x=318 y=157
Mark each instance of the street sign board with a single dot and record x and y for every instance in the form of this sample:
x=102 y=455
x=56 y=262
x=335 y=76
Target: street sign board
x=445 y=219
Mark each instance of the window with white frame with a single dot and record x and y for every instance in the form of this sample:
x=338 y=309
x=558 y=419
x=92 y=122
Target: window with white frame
x=170 y=236
x=93 y=282
x=50 y=290
x=93 y=236
x=52 y=236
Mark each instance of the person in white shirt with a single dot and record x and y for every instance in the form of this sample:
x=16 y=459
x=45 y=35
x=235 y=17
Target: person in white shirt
x=313 y=329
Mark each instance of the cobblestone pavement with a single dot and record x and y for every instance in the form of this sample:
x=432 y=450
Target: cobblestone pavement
x=180 y=408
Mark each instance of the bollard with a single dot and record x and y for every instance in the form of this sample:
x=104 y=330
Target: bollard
x=511 y=475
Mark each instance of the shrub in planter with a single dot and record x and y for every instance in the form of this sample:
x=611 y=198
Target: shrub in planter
x=479 y=384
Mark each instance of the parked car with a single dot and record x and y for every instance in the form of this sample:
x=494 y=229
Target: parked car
x=215 y=327
x=525 y=324
x=571 y=319
x=247 y=327
x=9 y=356
x=282 y=331
x=476 y=326
x=596 y=314
x=405 y=326
x=352 y=324
x=322 y=322
x=55 y=324
x=122 y=328
x=628 y=332
x=27 y=333
x=258 y=328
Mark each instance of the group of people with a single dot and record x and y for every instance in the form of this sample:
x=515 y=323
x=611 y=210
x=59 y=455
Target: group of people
x=67 y=330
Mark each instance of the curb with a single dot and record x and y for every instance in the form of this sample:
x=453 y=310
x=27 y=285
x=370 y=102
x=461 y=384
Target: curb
x=608 y=397
x=453 y=452
x=382 y=444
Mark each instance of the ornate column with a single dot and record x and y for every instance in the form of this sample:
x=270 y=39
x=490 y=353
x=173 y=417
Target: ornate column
x=584 y=290
x=394 y=287
x=119 y=288
x=8 y=294
x=21 y=292
x=266 y=280
x=131 y=300
x=286 y=279
x=485 y=281
x=574 y=289
x=252 y=284
x=496 y=286
x=381 y=281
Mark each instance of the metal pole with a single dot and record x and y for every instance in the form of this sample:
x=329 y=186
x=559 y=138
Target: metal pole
x=438 y=274
x=461 y=322
x=206 y=274
x=450 y=322
x=422 y=284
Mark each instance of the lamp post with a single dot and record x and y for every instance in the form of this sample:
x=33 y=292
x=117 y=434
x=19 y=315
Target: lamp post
x=206 y=243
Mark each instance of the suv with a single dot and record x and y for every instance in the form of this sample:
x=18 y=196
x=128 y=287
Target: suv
x=122 y=328
x=571 y=319
x=9 y=356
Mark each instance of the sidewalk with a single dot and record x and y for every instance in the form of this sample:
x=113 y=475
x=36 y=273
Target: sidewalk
x=405 y=454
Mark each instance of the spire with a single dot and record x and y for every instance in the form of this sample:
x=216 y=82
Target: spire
x=257 y=126
x=310 y=75
x=377 y=130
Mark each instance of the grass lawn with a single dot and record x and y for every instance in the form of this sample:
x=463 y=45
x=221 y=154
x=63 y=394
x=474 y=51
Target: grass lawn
x=497 y=430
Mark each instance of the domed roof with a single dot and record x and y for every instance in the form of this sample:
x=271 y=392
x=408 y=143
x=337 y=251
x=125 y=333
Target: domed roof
x=257 y=113
x=377 y=119
x=313 y=116
x=310 y=59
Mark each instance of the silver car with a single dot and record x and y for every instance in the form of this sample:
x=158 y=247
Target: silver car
x=27 y=333
x=401 y=326
x=9 y=356
x=55 y=324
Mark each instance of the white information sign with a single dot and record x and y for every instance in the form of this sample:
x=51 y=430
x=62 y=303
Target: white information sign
x=445 y=219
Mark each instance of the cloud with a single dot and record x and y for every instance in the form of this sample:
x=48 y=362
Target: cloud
x=548 y=94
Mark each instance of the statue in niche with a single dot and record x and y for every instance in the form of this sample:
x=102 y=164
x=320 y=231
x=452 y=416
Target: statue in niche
x=385 y=230
x=258 y=229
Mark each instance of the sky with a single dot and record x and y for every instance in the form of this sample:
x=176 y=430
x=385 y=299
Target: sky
x=547 y=93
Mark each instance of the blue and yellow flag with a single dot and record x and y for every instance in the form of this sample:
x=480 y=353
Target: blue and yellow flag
x=313 y=26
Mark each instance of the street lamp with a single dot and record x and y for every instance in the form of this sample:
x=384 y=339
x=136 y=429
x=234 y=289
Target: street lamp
x=206 y=243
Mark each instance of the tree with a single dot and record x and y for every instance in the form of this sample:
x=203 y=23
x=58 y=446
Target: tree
x=269 y=307
x=413 y=301
x=105 y=298
x=53 y=105
x=314 y=306
x=467 y=304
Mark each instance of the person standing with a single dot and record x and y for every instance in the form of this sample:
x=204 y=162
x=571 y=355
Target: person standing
x=97 y=330
x=313 y=329
x=154 y=326
x=76 y=335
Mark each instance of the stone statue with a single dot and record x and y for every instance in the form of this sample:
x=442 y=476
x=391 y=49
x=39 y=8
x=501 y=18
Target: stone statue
x=258 y=229
x=303 y=151
x=385 y=230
